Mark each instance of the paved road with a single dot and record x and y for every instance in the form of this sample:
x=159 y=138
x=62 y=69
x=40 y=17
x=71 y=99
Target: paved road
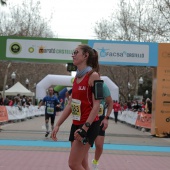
x=120 y=133
x=125 y=148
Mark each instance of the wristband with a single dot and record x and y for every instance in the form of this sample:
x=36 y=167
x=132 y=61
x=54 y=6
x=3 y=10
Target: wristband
x=82 y=133
x=84 y=140
x=107 y=117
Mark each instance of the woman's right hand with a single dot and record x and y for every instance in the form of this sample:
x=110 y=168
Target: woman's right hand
x=54 y=133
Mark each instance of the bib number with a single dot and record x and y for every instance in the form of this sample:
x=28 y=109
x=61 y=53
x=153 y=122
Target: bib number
x=100 y=110
x=75 y=107
x=50 y=110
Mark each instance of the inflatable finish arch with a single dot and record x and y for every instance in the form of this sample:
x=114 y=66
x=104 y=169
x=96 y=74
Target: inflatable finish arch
x=67 y=81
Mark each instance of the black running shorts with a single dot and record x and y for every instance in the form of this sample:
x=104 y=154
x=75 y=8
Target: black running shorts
x=101 y=132
x=52 y=116
x=92 y=132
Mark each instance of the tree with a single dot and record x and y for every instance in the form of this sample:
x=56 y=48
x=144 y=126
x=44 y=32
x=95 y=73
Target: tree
x=137 y=20
x=25 y=20
x=134 y=20
x=121 y=76
x=163 y=8
x=3 y=2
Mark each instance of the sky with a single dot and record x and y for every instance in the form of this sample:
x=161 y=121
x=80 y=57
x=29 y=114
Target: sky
x=75 y=18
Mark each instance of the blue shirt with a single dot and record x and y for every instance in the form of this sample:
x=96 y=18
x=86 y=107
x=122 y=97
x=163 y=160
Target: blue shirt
x=50 y=104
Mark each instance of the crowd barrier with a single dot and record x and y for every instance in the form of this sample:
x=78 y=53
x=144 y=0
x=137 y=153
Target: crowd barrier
x=137 y=119
x=8 y=113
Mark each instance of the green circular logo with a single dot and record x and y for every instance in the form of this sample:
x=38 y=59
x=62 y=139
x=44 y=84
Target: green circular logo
x=15 y=48
x=31 y=49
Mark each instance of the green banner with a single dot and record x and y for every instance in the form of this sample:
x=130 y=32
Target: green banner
x=26 y=49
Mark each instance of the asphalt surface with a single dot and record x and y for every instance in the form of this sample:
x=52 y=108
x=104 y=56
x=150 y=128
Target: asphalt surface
x=125 y=148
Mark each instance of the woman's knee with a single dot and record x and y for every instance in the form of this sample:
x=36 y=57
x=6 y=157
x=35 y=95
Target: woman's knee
x=73 y=165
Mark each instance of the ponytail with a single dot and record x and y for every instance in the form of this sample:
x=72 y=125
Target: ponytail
x=92 y=60
x=95 y=62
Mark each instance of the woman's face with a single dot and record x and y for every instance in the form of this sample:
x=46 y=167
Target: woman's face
x=78 y=56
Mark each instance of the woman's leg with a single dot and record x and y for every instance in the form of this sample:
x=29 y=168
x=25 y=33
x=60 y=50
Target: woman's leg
x=85 y=163
x=78 y=159
x=116 y=115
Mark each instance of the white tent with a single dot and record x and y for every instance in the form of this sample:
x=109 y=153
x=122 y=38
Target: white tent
x=67 y=81
x=18 y=88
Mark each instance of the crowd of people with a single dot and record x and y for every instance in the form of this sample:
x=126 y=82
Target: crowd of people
x=18 y=101
x=143 y=106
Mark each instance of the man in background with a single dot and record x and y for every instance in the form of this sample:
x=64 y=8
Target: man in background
x=51 y=102
x=107 y=102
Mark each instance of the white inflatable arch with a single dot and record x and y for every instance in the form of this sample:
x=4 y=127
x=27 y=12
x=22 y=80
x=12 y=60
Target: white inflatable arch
x=62 y=80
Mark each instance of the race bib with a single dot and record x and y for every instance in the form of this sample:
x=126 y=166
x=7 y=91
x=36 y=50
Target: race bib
x=75 y=107
x=50 y=110
x=100 y=110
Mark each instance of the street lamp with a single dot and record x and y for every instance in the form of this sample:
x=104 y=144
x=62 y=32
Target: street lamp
x=140 y=83
x=129 y=85
x=27 y=83
x=146 y=92
x=35 y=85
x=141 y=80
x=13 y=77
x=129 y=96
x=6 y=87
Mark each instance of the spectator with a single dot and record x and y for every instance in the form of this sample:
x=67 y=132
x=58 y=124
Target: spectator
x=24 y=99
x=116 y=107
x=136 y=106
x=11 y=101
x=129 y=105
x=148 y=106
x=125 y=107
x=17 y=103
x=6 y=101
x=1 y=99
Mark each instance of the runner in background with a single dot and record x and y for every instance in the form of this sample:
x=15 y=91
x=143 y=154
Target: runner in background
x=104 y=117
x=51 y=102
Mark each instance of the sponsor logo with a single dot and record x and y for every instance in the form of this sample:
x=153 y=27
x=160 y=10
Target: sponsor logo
x=168 y=119
x=165 y=111
x=108 y=53
x=31 y=49
x=165 y=79
x=166 y=103
x=165 y=95
x=43 y=50
x=166 y=54
x=166 y=87
x=167 y=71
x=15 y=48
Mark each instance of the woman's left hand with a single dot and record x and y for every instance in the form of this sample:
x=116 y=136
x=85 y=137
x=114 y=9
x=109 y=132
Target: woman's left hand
x=77 y=135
